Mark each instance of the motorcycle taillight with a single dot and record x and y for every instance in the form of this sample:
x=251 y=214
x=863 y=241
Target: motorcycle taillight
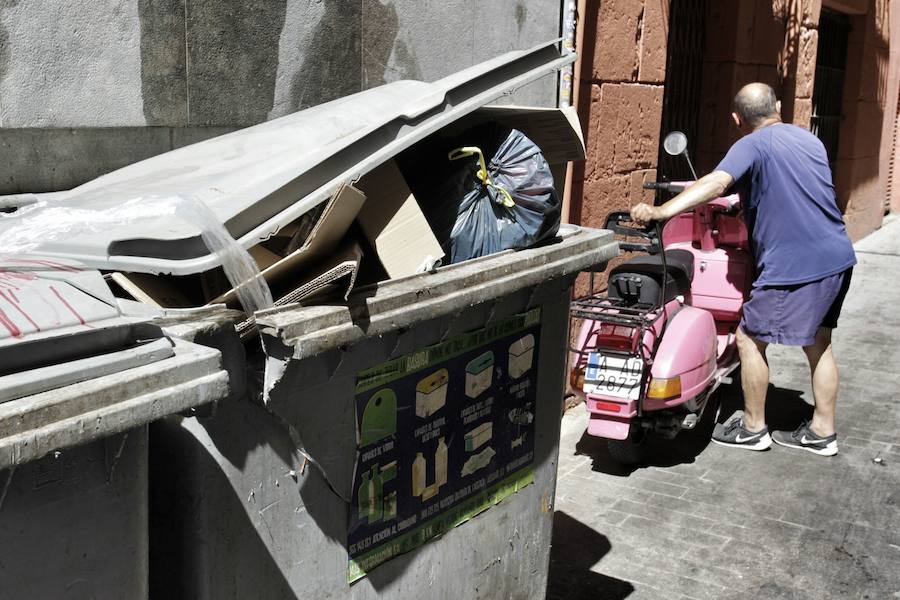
x=617 y=337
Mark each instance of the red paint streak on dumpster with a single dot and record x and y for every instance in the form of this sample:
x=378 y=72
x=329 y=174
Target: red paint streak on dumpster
x=10 y=279
x=48 y=263
x=10 y=326
x=69 y=306
x=15 y=304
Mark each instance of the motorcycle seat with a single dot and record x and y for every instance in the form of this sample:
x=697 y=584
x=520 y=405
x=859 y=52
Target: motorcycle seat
x=639 y=279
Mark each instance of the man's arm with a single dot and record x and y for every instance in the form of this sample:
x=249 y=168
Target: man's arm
x=707 y=188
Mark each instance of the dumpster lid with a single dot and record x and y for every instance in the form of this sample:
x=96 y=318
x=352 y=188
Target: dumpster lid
x=59 y=323
x=259 y=179
x=75 y=367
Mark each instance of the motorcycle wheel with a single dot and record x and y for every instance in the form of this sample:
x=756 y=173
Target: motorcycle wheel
x=629 y=451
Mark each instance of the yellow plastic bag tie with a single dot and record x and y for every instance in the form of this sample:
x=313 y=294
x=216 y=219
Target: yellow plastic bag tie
x=482 y=174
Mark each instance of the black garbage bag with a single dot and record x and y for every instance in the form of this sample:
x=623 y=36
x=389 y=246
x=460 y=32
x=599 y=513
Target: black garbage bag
x=488 y=190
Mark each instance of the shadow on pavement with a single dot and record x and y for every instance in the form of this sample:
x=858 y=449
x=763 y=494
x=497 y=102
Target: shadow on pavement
x=785 y=409
x=576 y=548
x=658 y=452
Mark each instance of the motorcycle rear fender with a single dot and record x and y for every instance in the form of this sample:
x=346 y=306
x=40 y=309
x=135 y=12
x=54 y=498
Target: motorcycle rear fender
x=688 y=351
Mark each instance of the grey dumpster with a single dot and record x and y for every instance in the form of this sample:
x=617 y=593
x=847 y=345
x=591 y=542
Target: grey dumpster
x=79 y=381
x=402 y=443
x=275 y=499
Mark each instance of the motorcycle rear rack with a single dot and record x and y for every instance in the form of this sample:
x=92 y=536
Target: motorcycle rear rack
x=600 y=307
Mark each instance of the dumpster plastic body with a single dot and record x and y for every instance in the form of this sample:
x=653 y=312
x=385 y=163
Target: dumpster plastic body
x=255 y=502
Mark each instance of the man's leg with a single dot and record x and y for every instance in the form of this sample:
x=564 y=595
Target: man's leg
x=754 y=380
x=824 y=371
x=749 y=432
x=818 y=435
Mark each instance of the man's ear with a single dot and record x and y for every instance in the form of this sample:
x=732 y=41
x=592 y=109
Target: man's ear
x=778 y=107
x=737 y=119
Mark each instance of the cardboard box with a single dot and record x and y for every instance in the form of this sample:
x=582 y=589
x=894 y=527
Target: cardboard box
x=395 y=225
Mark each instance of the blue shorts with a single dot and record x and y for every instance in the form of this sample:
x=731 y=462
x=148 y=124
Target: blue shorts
x=792 y=314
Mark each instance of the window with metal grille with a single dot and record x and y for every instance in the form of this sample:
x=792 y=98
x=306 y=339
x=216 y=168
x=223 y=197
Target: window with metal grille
x=684 y=71
x=828 y=92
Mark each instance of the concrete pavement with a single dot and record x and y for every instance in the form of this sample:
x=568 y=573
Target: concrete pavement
x=704 y=521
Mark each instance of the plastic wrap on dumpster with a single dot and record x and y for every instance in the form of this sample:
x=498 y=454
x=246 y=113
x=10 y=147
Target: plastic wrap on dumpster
x=487 y=190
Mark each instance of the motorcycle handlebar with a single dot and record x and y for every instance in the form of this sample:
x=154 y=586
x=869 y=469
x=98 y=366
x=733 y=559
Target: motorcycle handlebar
x=664 y=186
x=651 y=233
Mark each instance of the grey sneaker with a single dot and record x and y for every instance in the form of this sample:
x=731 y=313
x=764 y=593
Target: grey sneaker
x=732 y=433
x=804 y=438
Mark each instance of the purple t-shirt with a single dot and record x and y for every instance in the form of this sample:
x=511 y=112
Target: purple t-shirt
x=796 y=230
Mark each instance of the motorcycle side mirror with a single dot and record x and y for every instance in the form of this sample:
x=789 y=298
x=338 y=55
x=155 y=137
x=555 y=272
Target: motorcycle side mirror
x=676 y=143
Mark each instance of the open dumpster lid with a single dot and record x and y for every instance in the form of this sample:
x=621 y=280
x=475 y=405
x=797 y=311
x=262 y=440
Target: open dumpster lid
x=258 y=179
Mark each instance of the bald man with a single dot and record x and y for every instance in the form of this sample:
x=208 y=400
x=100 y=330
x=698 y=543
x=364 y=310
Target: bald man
x=803 y=256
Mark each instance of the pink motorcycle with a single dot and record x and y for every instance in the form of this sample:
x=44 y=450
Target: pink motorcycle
x=653 y=348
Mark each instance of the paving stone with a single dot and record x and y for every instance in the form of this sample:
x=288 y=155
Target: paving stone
x=666 y=489
x=660 y=513
x=666 y=581
x=695 y=538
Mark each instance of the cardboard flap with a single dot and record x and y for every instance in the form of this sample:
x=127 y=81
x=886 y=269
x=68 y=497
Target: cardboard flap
x=394 y=224
x=335 y=273
x=325 y=237
x=154 y=290
x=335 y=276
x=556 y=131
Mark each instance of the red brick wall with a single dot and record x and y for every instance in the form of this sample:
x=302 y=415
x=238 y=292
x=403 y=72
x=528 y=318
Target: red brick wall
x=775 y=41
x=755 y=40
x=890 y=154
x=860 y=183
x=620 y=105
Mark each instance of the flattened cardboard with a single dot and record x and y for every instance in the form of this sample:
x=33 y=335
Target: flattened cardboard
x=556 y=131
x=325 y=237
x=395 y=225
x=334 y=276
x=337 y=273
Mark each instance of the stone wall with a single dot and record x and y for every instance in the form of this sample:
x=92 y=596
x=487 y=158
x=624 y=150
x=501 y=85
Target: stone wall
x=890 y=154
x=776 y=41
x=860 y=183
x=623 y=69
x=88 y=86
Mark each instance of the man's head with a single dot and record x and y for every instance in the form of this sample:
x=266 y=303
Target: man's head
x=755 y=105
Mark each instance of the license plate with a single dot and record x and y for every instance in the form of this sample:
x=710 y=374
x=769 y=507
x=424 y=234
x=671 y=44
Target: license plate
x=613 y=376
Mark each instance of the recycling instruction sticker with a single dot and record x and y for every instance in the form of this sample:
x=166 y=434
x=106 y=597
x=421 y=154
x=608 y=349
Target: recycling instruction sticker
x=442 y=434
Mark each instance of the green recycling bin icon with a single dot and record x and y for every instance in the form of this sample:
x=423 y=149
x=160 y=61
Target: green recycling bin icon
x=379 y=418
